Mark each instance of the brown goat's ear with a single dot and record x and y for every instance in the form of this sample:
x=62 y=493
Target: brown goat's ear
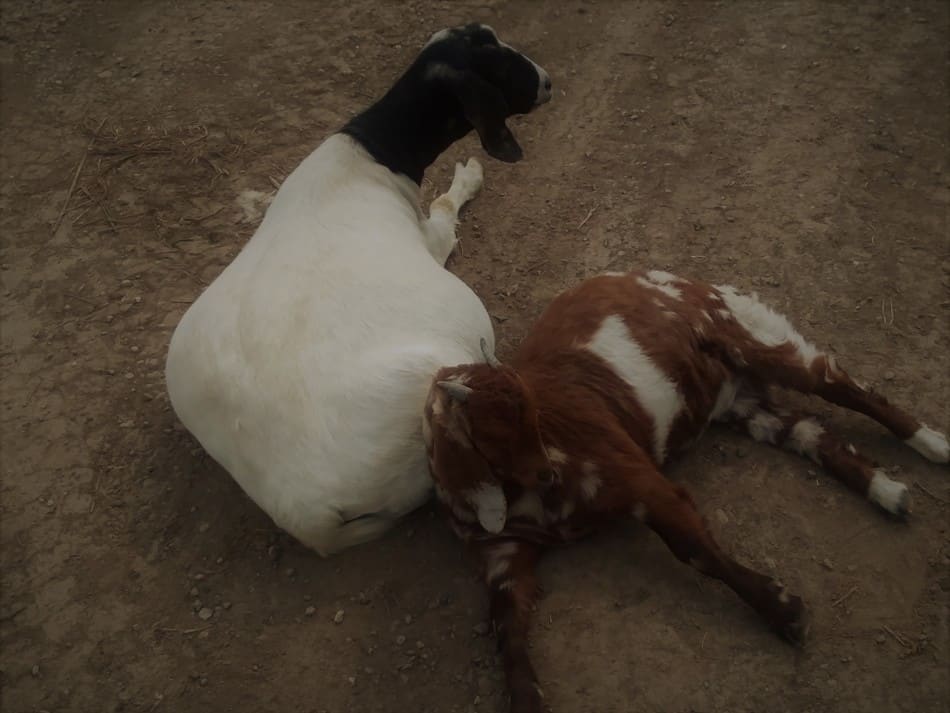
x=491 y=506
x=459 y=392
x=485 y=108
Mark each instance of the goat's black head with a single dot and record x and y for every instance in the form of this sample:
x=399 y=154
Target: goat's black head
x=489 y=79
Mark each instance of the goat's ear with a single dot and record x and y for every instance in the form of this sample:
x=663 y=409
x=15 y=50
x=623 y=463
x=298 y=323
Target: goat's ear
x=459 y=392
x=485 y=108
x=491 y=507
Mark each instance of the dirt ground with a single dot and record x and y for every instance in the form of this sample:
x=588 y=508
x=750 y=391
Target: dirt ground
x=799 y=149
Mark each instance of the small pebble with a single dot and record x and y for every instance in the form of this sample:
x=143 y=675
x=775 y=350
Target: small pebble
x=480 y=629
x=408 y=618
x=310 y=611
x=338 y=617
x=226 y=605
x=205 y=613
x=194 y=592
x=400 y=640
x=889 y=375
x=826 y=563
x=35 y=670
x=881 y=638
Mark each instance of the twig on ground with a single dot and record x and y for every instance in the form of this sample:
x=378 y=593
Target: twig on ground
x=589 y=214
x=897 y=637
x=842 y=599
x=182 y=631
x=72 y=186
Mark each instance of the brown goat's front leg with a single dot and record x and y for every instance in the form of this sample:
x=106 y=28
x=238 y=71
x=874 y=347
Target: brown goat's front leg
x=670 y=512
x=509 y=572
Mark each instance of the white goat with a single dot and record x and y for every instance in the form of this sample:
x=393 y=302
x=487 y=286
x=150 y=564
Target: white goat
x=303 y=368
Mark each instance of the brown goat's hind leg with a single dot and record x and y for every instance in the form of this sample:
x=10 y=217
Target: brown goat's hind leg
x=818 y=373
x=802 y=434
x=509 y=569
x=670 y=512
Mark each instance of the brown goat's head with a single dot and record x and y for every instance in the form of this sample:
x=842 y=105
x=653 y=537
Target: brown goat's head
x=485 y=434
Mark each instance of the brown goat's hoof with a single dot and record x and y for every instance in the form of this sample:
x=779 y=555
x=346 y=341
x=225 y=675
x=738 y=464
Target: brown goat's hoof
x=788 y=615
x=796 y=632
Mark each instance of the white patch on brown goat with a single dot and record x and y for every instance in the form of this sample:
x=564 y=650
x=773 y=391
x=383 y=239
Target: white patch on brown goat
x=656 y=392
x=765 y=325
x=764 y=427
x=497 y=561
x=528 y=506
x=555 y=455
x=931 y=444
x=667 y=290
x=889 y=494
x=805 y=438
x=662 y=277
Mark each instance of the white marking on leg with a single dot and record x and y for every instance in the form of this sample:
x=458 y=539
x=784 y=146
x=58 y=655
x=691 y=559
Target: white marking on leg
x=497 y=561
x=931 y=444
x=764 y=324
x=889 y=494
x=764 y=427
x=466 y=183
x=668 y=290
x=805 y=438
x=656 y=392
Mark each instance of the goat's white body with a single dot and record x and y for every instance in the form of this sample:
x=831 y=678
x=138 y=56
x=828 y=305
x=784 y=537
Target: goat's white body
x=303 y=369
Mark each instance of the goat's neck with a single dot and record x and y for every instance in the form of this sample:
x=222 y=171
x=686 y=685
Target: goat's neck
x=409 y=127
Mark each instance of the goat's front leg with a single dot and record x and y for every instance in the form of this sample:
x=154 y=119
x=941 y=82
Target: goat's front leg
x=509 y=568
x=444 y=211
x=670 y=512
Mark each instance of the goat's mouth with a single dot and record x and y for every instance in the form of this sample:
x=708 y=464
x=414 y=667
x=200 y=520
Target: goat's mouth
x=544 y=92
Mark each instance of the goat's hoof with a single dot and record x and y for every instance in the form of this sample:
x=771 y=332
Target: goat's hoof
x=796 y=631
x=468 y=178
x=903 y=507
x=789 y=616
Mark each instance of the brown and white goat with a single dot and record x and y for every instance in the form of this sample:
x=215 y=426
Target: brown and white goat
x=617 y=375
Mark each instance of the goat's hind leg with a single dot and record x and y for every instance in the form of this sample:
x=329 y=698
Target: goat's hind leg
x=670 y=512
x=444 y=211
x=773 y=352
x=803 y=434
